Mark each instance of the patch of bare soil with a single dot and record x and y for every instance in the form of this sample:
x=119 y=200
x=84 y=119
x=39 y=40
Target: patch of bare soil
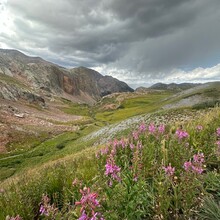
x=22 y=120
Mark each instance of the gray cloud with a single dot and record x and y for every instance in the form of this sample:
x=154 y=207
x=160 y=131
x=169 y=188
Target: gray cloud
x=142 y=39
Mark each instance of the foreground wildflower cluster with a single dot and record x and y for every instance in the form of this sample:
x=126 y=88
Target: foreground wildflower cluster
x=196 y=165
x=88 y=203
x=142 y=156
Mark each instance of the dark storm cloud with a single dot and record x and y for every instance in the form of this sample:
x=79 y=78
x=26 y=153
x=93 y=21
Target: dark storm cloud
x=145 y=39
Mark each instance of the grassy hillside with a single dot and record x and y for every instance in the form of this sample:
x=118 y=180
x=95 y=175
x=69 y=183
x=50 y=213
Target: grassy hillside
x=27 y=151
x=155 y=171
x=200 y=97
x=158 y=165
x=129 y=105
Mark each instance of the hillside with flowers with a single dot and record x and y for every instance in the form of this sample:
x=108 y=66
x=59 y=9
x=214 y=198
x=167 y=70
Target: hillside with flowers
x=155 y=170
x=142 y=155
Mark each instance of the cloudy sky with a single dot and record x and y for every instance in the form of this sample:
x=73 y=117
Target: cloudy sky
x=138 y=41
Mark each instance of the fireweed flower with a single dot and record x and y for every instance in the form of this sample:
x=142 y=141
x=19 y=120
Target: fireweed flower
x=161 y=128
x=83 y=216
x=97 y=216
x=115 y=143
x=43 y=210
x=111 y=169
x=46 y=208
x=142 y=128
x=151 y=128
x=131 y=146
x=196 y=164
x=104 y=151
x=187 y=165
x=198 y=158
x=181 y=134
x=139 y=145
x=218 y=132
x=123 y=143
x=169 y=170
x=88 y=202
x=197 y=169
x=135 y=135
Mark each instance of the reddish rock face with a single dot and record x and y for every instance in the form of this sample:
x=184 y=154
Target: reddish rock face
x=68 y=85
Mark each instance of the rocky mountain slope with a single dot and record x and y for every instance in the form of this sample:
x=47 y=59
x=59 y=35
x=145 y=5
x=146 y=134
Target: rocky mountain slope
x=202 y=96
x=30 y=78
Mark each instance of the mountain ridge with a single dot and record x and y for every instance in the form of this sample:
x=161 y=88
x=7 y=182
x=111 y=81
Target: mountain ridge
x=174 y=86
x=45 y=79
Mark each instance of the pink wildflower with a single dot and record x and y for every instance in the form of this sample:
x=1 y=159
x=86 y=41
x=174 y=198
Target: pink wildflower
x=151 y=128
x=139 y=145
x=112 y=169
x=169 y=170
x=142 y=128
x=104 y=151
x=198 y=158
x=181 y=134
x=197 y=169
x=83 y=216
x=97 y=216
x=115 y=143
x=123 y=143
x=135 y=135
x=46 y=208
x=196 y=164
x=43 y=210
x=161 y=128
x=110 y=183
x=187 y=165
x=131 y=146
x=88 y=200
x=89 y=204
x=218 y=132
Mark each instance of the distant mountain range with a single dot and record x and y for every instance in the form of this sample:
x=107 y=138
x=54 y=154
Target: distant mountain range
x=174 y=86
x=33 y=78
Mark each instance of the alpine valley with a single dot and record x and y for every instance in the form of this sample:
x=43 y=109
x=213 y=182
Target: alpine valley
x=75 y=144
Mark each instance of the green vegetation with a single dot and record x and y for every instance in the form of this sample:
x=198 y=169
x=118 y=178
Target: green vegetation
x=168 y=171
x=52 y=149
x=132 y=106
x=76 y=109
